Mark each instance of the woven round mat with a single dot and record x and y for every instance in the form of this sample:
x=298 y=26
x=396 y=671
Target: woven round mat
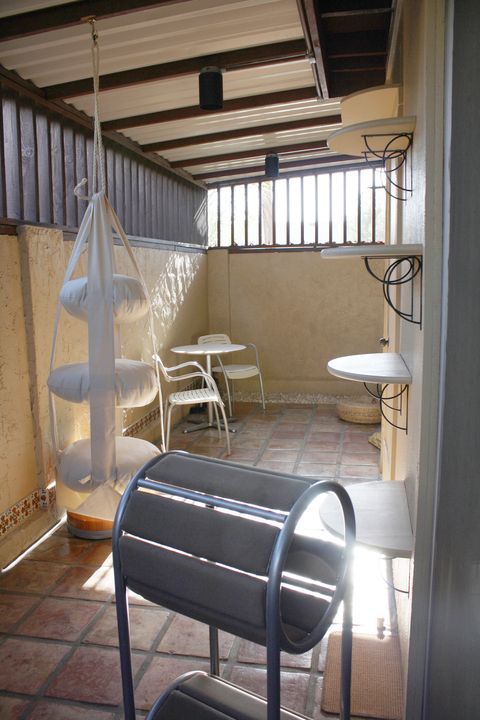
x=376 y=677
x=364 y=411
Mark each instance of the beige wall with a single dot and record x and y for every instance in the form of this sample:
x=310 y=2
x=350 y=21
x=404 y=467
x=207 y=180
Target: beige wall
x=17 y=450
x=31 y=273
x=300 y=310
x=419 y=220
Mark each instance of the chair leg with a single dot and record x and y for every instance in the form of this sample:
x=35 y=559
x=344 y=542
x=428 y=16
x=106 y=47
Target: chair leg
x=168 y=424
x=227 y=385
x=227 y=432
x=218 y=421
x=261 y=390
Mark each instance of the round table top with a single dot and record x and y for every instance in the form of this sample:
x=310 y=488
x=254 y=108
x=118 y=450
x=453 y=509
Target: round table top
x=381 y=513
x=385 y=367
x=208 y=348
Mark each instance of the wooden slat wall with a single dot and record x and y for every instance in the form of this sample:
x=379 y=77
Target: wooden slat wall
x=43 y=157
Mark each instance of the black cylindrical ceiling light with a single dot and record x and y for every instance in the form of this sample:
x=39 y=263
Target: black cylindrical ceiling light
x=210 y=88
x=271 y=165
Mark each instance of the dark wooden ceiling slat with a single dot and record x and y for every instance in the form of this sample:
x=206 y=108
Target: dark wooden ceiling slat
x=233 y=60
x=62 y=16
x=362 y=63
x=242 y=133
x=350 y=82
x=236 y=104
x=353 y=43
x=362 y=21
x=309 y=162
x=334 y=6
x=312 y=146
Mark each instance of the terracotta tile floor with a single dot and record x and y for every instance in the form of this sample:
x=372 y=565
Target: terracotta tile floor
x=58 y=654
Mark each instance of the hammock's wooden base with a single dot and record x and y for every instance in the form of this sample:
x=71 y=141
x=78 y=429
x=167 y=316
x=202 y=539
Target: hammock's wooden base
x=89 y=528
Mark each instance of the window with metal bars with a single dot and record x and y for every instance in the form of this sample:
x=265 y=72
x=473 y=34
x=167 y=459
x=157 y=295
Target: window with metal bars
x=330 y=207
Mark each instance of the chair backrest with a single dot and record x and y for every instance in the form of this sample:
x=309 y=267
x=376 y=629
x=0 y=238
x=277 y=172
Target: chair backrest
x=162 y=368
x=214 y=338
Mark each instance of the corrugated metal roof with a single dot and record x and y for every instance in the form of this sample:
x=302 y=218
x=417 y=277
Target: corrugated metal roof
x=174 y=32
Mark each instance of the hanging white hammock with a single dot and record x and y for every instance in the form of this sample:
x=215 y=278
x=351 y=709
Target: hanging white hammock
x=102 y=464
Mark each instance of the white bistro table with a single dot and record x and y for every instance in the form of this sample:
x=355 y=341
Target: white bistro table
x=207 y=350
x=382 y=370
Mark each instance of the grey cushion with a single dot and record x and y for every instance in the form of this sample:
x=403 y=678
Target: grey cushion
x=238 y=482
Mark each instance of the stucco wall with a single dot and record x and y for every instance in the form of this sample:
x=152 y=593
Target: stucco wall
x=32 y=266
x=300 y=310
x=420 y=221
x=17 y=453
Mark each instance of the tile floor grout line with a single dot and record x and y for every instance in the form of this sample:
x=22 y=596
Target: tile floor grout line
x=74 y=646
x=152 y=653
x=313 y=681
x=301 y=451
x=317 y=422
x=339 y=455
x=61 y=702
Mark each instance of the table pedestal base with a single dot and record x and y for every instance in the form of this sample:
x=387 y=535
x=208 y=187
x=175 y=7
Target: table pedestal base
x=205 y=425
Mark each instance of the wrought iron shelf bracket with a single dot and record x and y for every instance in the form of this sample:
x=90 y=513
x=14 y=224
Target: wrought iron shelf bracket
x=392 y=405
x=385 y=139
x=392 y=149
x=396 y=274
x=409 y=267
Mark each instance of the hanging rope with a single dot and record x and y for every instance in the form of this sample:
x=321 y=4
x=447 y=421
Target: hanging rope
x=98 y=163
x=98 y=152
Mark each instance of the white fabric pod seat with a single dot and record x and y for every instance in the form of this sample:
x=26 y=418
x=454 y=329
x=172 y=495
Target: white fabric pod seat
x=129 y=301
x=75 y=467
x=135 y=383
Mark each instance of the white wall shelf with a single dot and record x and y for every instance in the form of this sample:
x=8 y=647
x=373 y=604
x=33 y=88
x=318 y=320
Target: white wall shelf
x=380 y=370
x=407 y=260
x=382 y=517
x=370 y=104
x=376 y=139
x=387 y=252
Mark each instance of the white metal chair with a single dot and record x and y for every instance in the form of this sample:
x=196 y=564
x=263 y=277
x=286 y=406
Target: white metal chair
x=235 y=371
x=199 y=396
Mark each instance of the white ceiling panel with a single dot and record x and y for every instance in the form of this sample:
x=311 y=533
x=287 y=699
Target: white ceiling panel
x=183 y=30
x=260 y=141
x=248 y=162
x=218 y=122
x=183 y=91
x=13 y=7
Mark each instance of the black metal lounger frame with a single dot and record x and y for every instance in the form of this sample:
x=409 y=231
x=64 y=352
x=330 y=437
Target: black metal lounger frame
x=277 y=636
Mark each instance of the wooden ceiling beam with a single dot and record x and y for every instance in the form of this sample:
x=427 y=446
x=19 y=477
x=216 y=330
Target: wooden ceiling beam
x=359 y=64
x=72 y=13
x=356 y=20
x=310 y=162
x=312 y=146
x=258 y=56
x=320 y=170
x=235 y=105
x=245 y=132
x=369 y=42
x=315 y=40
